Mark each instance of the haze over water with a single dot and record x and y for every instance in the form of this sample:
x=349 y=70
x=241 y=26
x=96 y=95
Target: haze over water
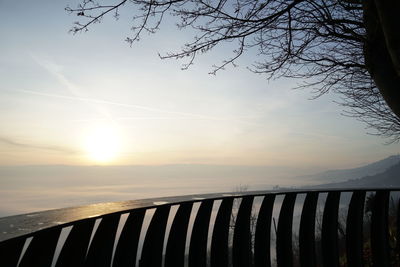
x=32 y=188
x=86 y=118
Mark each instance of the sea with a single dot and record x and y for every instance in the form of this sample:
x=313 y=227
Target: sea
x=26 y=189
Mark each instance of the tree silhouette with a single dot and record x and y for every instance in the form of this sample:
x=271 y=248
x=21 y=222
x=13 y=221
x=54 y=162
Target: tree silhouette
x=351 y=47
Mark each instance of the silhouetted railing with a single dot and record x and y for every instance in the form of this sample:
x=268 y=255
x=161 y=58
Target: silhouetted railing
x=314 y=228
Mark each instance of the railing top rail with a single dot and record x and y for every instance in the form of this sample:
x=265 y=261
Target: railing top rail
x=26 y=224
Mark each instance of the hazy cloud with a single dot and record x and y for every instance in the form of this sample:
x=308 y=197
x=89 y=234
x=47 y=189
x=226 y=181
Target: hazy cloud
x=11 y=142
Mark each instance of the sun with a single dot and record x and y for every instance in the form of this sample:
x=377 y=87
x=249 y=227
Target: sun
x=102 y=144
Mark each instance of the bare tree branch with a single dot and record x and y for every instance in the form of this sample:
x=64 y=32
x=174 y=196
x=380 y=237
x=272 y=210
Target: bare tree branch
x=320 y=42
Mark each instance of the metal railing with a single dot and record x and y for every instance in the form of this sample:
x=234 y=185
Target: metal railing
x=217 y=230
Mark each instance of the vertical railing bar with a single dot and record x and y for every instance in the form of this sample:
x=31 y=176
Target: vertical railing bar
x=284 y=253
x=73 y=252
x=354 y=229
x=307 y=231
x=262 y=239
x=398 y=229
x=154 y=240
x=175 y=251
x=126 y=250
x=40 y=251
x=101 y=247
x=10 y=251
x=329 y=232
x=219 y=242
x=97 y=222
x=198 y=240
x=192 y=218
x=24 y=248
x=379 y=229
x=215 y=209
x=241 y=251
x=60 y=243
x=171 y=217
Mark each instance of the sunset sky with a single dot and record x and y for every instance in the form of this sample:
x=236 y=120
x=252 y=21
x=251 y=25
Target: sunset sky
x=90 y=99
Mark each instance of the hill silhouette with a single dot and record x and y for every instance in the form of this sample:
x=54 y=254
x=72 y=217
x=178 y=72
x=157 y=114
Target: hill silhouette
x=337 y=176
x=388 y=178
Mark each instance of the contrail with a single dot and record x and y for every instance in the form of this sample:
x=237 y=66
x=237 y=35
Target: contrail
x=55 y=71
x=12 y=142
x=75 y=90
x=105 y=102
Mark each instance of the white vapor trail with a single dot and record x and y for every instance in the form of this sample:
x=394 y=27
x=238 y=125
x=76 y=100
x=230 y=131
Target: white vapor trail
x=146 y=108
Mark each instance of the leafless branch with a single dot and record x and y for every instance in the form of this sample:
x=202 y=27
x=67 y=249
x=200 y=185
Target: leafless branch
x=319 y=42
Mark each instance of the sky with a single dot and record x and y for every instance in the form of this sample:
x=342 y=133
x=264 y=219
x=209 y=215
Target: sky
x=92 y=99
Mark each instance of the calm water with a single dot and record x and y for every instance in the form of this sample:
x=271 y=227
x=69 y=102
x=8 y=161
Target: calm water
x=37 y=188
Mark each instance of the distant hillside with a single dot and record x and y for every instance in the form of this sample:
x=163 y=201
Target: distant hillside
x=334 y=176
x=389 y=178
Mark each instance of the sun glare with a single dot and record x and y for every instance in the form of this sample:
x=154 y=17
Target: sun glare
x=102 y=144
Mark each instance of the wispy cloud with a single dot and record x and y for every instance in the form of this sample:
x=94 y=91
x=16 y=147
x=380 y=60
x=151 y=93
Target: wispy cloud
x=56 y=71
x=141 y=107
x=15 y=143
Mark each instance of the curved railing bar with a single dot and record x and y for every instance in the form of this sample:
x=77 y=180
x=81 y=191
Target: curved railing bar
x=354 y=230
x=329 y=231
x=284 y=251
x=154 y=240
x=379 y=230
x=41 y=250
x=100 y=250
x=129 y=239
x=307 y=230
x=199 y=237
x=25 y=225
x=90 y=241
x=262 y=235
x=219 y=255
x=175 y=250
x=241 y=250
x=74 y=250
